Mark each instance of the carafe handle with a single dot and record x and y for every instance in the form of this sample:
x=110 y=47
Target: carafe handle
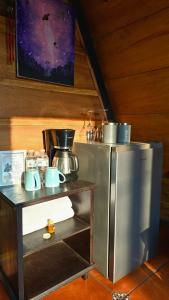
x=75 y=162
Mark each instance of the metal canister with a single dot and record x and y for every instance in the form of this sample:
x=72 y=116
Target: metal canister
x=110 y=133
x=123 y=133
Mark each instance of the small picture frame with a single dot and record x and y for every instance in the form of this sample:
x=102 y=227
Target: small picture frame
x=12 y=167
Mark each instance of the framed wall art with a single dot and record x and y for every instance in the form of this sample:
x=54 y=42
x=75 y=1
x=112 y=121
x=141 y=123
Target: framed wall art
x=12 y=167
x=45 y=34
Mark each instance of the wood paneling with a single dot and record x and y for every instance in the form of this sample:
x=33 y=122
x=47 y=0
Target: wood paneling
x=19 y=97
x=144 y=128
x=106 y=16
x=131 y=41
x=141 y=94
x=36 y=85
x=137 y=48
x=16 y=101
x=83 y=77
x=29 y=106
x=26 y=133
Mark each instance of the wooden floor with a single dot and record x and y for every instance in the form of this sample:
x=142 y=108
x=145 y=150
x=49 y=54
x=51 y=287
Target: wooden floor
x=151 y=281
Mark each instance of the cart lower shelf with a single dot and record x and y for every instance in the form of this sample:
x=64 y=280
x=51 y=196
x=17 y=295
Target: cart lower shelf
x=50 y=268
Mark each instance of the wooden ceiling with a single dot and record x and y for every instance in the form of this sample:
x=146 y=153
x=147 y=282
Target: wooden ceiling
x=132 y=45
x=131 y=40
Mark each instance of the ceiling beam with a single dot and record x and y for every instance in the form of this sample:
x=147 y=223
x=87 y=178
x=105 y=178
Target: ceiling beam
x=85 y=33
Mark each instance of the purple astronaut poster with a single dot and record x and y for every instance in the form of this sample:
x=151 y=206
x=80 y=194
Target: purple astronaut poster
x=45 y=40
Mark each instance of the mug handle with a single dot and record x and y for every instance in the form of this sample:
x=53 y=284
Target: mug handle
x=37 y=180
x=64 y=178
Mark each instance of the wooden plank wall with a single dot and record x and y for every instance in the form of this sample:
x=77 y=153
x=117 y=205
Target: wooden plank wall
x=131 y=39
x=27 y=107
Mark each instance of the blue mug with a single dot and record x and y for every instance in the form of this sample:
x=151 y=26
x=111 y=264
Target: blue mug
x=53 y=177
x=32 y=180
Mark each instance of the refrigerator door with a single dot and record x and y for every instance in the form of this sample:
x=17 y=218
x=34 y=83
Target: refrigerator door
x=130 y=211
x=94 y=166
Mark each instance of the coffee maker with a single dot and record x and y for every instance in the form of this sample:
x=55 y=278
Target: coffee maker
x=58 y=144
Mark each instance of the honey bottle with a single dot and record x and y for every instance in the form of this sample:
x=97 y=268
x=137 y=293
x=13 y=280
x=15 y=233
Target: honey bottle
x=51 y=226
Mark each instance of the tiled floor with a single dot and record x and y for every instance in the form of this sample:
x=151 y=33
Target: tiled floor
x=149 y=282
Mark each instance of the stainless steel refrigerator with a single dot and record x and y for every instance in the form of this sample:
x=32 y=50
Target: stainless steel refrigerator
x=127 y=202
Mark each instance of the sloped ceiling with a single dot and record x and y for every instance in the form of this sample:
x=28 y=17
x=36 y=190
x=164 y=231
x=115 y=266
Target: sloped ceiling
x=131 y=42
